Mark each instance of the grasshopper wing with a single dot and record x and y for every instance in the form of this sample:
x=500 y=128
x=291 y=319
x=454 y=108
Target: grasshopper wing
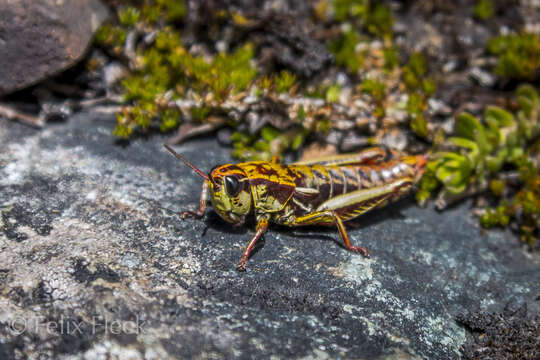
x=368 y=156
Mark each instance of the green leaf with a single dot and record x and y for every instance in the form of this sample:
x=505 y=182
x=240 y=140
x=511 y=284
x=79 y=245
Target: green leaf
x=469 y=127
x=444 y=173
x=484 y=9
x=465 y=143
x=473 y=155
x=456 y=189
x=527 y=98
x=268 y=133
x=493 y=132
x=501 y=116
x=332 y=94
x=494 y=163
x=297 y=141
x=529 y=92
x=515 y=153
x=419 y=125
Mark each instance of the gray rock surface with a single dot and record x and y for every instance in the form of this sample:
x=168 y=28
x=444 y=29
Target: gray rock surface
x=94 y=263
x=41 y=38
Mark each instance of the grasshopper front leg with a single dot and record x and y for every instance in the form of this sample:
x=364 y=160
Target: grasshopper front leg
x=262 y=225
x=202 y=203
x=352 y=205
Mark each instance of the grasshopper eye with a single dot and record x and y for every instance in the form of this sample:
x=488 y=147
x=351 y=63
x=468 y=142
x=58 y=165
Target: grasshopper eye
x=232 y=186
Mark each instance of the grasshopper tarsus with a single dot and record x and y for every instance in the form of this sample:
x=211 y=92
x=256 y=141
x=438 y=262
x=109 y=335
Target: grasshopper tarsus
x=241 y=267
x=359 y=250
x=193 y=214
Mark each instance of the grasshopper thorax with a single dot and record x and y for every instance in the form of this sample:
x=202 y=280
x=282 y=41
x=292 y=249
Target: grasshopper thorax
x=230 y=193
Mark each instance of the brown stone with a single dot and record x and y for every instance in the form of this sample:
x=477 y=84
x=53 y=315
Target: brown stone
x=41 y=38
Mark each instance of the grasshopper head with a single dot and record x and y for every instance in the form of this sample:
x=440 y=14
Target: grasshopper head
x=229 y=190
x=230 y=193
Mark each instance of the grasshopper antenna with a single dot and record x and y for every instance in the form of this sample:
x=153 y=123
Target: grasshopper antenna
x=185 y=161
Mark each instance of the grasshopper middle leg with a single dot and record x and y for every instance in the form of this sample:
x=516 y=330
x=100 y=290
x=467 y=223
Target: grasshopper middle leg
x=328 y=217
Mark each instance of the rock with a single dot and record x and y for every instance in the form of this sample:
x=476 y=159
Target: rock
x=41 y=38
x=286 y=43
x=94 y=262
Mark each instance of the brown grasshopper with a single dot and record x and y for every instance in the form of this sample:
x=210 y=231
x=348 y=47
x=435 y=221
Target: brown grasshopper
x=323 y=191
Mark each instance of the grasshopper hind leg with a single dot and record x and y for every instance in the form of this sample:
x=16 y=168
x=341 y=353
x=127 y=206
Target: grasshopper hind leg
x=351 y=205
x=331 y=217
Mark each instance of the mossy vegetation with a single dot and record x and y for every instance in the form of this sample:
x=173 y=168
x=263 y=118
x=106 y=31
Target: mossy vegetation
x=484 y=9
x=518 y=55
x=351 y=51
x=375 y=17
x=420 y=87
x=345 y=51
x=494 y=154
x=168 y=71
x=165 y=70
x=271 y=143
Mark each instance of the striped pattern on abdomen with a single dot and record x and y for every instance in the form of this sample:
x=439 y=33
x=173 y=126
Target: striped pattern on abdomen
x=331 y=181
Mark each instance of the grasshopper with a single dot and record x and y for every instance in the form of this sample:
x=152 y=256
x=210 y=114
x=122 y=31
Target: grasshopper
x=323 y=191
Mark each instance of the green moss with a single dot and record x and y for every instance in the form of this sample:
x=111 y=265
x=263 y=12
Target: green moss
x=175 y=10
x=224 y=74
x=167 y=66
x=344 y=50
x=345 y=9
x=129 y=16
x=416 y=105
x=332 y=93
x=497 y=187
x=518 y=55
x=419 y=125
x=269 y=143
x=284 y=81
x=169 y=120
x=108 y=35
x=200 y=113
x=484 y=9
x=378 y=20
x=375 y=17
x=124 y=127
x=429 y=182
x=375 y=88
x=323 y=126
x=171 y=10
x=420 y=87
x=269 y=133
x=391 y=58
x=428 y=86
x=414 y=71
x=525 y=205
x=495 y=217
